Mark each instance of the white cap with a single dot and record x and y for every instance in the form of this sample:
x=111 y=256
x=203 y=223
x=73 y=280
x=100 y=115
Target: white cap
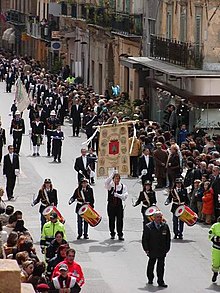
x=17 y=112
x=53 y=113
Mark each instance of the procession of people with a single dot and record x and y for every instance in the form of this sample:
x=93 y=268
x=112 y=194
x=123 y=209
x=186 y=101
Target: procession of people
x=162 y=157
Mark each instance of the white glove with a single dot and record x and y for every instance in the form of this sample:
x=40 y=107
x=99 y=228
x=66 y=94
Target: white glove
x=144 y=172
x=80 y=172
x=17 y=172
x=116 y=194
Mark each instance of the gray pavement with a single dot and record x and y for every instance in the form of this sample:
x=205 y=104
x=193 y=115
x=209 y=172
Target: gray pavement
x=109 y=266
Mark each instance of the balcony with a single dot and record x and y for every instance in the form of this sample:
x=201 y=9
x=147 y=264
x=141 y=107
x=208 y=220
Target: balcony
x=115 y=21
x=16 y=17
x=187 y=55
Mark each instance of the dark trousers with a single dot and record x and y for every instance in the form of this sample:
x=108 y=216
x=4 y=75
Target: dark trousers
x=17 y=138
x=0 y=154
x=81 y=223
x=76 y=126
x=115 y=213
x=177 y=226
x=42 y=218
x=57 y=149
x=134 y=166
x=10 y=185
x=48 y=144
x=160 y=269
x=8 y=87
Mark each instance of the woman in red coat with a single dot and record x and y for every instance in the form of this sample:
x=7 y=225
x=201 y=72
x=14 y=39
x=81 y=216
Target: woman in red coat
x=208 y=203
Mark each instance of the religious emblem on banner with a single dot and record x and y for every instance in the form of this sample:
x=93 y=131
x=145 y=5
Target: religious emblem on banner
x=113 y=147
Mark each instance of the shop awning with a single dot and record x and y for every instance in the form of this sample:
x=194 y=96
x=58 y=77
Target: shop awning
x=6 y=34
x=166 y=68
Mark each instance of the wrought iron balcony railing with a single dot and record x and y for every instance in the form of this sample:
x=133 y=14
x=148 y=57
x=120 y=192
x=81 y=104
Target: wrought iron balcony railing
x=16 y=17
x=187 y=55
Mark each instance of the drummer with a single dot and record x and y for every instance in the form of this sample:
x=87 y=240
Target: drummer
x=178 y=195
x=148 y=198
x=47 y=196
x=84 y=195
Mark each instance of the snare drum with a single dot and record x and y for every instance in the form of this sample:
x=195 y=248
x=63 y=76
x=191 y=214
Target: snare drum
x=185 y=214
x=150 y=213
x=52 y=209
x=89 y=215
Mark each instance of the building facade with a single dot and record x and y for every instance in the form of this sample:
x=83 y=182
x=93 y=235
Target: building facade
x=181 y=63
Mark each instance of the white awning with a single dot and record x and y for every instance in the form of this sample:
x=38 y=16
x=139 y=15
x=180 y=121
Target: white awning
x=11 y=39
x=7 y=34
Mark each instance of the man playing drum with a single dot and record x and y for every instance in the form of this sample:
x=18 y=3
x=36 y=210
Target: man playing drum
x=117 y=192
x=178 y=194
x=84 y=195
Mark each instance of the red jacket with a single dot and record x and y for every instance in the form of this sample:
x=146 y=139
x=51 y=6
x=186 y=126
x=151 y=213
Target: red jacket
x=74 y=269
x=208 y=202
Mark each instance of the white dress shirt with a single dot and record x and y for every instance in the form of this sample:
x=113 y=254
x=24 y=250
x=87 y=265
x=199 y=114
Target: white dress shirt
x=146 y=160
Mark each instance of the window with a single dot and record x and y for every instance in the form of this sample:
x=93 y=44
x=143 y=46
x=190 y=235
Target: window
x=152 y=26
x=74 y=10
x=169 y=21
x=183 y=23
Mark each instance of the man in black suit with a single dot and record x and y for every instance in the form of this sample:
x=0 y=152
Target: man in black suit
x=146 y=166
x=2 y=140
x=76 y=112
x=11 y=168
x=216 y=190
x=16 y=130
x=156 y=244
x=9 y=78
x=62 y=106
x=82 y=165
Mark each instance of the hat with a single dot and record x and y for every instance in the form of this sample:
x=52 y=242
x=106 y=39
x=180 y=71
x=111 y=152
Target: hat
x=178 y=180
x=42 y=287
x=47 y=180
x=53 y=113
x=148 y=182
x=84 y=180
x=53 y=216
x=159 y=143
x=17 y=112
x=63 y=267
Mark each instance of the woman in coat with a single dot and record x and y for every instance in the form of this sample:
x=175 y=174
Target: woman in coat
x=173 y=165
x=208 y=203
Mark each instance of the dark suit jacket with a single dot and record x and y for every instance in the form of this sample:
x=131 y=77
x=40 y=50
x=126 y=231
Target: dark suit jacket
x=2 y=137
x=75 y=114
x=150 y=168
x=79 y=166
x=8 y=167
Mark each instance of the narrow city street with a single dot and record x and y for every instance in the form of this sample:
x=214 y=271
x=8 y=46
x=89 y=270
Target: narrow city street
x=110 y=266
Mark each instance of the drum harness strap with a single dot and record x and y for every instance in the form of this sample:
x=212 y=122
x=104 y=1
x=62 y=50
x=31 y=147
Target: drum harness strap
x=147 y=200
x=81 y=196
x=177 y=197
x=46 y=198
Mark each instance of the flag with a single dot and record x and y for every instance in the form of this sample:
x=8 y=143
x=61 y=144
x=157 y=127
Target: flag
x=113 y=149
x=21 y=96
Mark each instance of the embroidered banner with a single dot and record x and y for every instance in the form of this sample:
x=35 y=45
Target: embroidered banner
x=113 y=149
x=21 y=96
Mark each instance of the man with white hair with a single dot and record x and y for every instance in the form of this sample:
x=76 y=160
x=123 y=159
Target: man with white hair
x=156 y=244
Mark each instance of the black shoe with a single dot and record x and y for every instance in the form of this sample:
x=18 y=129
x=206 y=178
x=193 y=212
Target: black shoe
x=38 y=154
x=78 y=237
x=175 y=236
x=214 y=277
x=150 y=282
x=121 y=238
x=163 y=285
x=181 y=237
x=112 y=237
x=59 y=161
x=34 y=154
x=86 y=237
